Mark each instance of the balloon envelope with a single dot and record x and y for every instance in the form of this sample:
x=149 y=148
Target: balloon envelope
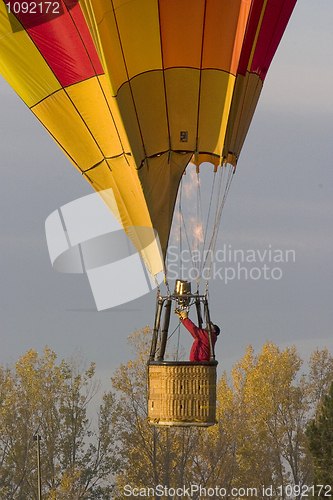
x=132 y=91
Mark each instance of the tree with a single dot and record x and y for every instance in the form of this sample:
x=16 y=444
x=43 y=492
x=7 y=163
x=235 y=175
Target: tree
x=320 y=376
x=320 y=440
x=271 y=417
x=38 y=396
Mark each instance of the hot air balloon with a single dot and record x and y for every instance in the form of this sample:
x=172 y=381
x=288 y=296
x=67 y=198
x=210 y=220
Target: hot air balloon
x=133 y=91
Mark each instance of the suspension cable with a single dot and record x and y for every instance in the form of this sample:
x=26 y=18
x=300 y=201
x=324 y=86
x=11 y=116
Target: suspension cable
x=219 y=190
x=217 y=222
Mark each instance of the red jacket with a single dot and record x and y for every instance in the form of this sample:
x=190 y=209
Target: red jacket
x=200 y=349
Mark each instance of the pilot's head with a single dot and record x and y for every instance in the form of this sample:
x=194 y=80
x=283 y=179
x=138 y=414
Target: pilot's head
x=215 y=329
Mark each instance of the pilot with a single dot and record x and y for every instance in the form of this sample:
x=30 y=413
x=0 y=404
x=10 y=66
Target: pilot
x=200 y=350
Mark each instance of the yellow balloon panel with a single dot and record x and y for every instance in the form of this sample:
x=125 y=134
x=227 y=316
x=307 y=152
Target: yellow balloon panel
x=88 y=95
x=61 y=119
x=114 y=110
x=35 y=80
x=149 y=98
x=131 y=123
x=215 y=99
x=138 y=28
x=129 y=206
x=118 y=175
x=111 y=50
x=182 y=87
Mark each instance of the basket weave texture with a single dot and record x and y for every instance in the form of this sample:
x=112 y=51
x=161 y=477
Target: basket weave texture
x=182 y=395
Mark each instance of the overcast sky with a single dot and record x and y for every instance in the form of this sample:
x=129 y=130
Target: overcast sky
x=281 y=198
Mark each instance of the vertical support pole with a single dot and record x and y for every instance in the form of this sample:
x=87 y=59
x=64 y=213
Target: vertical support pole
x=207 y=316
x=156 y=329
x=165 y=328
x=37 y=438
x=198 y=306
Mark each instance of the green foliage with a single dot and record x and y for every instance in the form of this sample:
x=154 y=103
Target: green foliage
x=320 y=440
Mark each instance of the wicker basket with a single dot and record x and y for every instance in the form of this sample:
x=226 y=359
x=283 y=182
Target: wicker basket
x=182 y=393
